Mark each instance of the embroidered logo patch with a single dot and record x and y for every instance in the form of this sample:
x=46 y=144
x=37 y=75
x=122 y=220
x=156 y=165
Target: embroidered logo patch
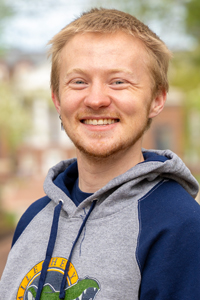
x=84 y=289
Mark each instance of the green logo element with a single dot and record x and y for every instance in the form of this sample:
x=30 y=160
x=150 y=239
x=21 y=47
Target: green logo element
x=85 y=289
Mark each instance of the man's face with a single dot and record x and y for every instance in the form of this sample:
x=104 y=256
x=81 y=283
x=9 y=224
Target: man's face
x=105 y=97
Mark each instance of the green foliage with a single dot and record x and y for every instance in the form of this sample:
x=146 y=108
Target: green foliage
x=185 y=71
x=7 y=224
x=14 y=118
x=6 y=11
x=193 y=18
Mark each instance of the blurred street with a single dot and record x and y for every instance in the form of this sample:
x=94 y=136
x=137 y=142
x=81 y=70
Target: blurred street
x=5 y=245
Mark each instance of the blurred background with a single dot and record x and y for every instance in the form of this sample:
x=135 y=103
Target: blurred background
x=30 y=137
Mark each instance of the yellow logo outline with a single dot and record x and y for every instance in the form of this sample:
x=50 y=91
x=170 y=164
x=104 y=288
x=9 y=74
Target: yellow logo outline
x=57 y=264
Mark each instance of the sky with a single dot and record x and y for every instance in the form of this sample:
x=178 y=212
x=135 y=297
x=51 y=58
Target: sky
x=31 y=29
x=36 y=22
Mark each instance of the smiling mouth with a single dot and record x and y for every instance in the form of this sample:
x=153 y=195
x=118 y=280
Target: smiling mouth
x=100 y=121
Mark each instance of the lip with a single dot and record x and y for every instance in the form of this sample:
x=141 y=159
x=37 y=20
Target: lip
x=99 y=118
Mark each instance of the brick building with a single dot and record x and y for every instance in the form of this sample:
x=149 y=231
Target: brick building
x=167 y=129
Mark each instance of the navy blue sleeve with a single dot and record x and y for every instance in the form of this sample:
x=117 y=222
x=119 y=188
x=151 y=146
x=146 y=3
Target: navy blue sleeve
x=169 y=244
x=29 y=214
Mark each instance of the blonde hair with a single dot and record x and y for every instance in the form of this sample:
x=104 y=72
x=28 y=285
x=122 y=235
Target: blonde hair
x=109 y=21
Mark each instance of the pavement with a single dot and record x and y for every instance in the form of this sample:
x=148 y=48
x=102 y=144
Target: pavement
x=5 y=245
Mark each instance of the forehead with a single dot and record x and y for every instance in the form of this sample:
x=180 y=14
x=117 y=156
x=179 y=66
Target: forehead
x=104 y=41
x=104 y=51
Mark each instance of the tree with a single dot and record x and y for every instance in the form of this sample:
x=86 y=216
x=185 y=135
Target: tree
x=6 y=11
x=14 y=119
x=193 y=18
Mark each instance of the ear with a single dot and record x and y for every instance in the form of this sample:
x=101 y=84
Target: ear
x=56 y=101
x=157 y=104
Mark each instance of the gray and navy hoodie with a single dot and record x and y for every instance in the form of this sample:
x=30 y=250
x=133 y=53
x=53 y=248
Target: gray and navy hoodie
x=137 y=238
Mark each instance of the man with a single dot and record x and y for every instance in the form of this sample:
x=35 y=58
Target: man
x=119 y=222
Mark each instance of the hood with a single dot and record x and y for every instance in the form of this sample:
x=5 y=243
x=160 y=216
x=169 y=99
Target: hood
x=157 y=165
x=172 y=168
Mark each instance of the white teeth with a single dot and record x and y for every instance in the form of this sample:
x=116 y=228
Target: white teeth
x=109 y=121
x=99 y=122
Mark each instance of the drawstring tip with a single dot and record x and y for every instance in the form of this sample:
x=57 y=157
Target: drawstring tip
x=62 y=295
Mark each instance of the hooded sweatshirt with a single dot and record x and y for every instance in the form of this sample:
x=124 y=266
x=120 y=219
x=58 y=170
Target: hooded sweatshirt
x=136 y=238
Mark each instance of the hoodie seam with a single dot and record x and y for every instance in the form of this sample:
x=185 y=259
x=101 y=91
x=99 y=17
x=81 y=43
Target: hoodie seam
x=29 y=224
x=112 y=215
x=153 y=189
x=103 y=217
x=139 y=217
x=133 y=200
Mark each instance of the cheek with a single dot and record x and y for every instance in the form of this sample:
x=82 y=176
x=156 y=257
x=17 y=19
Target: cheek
x=134 y=108
x=125 y=102
x=69 y=104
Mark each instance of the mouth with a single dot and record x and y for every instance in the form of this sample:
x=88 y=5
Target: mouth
x=101 y=122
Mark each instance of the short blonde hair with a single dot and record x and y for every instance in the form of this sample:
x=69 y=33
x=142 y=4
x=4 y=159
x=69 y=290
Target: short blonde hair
x=109 y=21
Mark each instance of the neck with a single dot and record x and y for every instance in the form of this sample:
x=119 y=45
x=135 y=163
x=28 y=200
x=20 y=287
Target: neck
x=96 y=173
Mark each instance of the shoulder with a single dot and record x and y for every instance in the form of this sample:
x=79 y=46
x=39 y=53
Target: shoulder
x=29 y=214
x=168 y=244
x=168 y=215
x=166 y=197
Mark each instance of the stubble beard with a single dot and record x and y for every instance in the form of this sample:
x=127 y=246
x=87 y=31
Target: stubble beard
x=115 y=150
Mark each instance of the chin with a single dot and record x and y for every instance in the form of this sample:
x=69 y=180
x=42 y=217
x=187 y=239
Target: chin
x=97 y=154
x=107 y=149
x=102 y=153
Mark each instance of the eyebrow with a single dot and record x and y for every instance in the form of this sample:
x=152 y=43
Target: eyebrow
x=111 y=71
x=77 y=70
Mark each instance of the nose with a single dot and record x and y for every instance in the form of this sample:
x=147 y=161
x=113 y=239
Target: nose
x=97 y=97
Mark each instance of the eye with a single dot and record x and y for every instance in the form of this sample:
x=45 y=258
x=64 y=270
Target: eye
x=77 y=83
x=119 y=84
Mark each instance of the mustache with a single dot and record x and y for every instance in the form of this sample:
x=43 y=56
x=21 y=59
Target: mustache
x=103 y=113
